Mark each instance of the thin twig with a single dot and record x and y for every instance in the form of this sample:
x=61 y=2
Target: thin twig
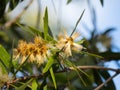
x=109 y=79
x=95 y=67
x=24 y=78
x=9 y=23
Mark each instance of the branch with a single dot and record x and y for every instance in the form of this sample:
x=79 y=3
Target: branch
x=24 y=78
x=64 y=70
x=110 y=55
x=109 y=79
x=9 y=23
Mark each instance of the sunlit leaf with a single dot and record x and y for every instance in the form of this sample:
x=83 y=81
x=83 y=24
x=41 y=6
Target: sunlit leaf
x=49 y=64
x=22 y=87
x=53 y=77
x=3 y=68
x=34 y=85
x=4 y=57
x=46 y=24
x=45 y=87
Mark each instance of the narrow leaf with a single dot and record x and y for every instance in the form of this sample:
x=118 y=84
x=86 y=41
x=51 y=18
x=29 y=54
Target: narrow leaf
x=49 y=64
x=24 y=85
x=35 y=31
x=4 y=57
x=22 y=64
x=101 y=1
x=67 y=62
x=77 y=23
x=46 y=24
x=108 y=30
x=69 y=1
x=34 y=85
x=91 y=54
x=45 y=87
x=25 y=29
x=53 y=77
x=2 y=68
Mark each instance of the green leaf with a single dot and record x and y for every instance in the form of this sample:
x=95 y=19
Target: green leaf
x=69 y=1
x=45 y=87
x=34 y=85
x=67 y=62
x=36 y=31
x=25 y=29
x=81 y=41
x=53 y=77
x=4 y=57
x=3 y=69
x=77 y=22
x=49 y=64
x=91 y=54
x=46 y=24
x=101 y=1
x=22 y=87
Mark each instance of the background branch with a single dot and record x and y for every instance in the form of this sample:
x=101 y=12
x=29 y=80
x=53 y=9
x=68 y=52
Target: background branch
x=9 y=23
x=110 y=55
x=109 y=79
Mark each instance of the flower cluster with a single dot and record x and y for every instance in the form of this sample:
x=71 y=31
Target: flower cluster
x=36 y=51
x=39 y=49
